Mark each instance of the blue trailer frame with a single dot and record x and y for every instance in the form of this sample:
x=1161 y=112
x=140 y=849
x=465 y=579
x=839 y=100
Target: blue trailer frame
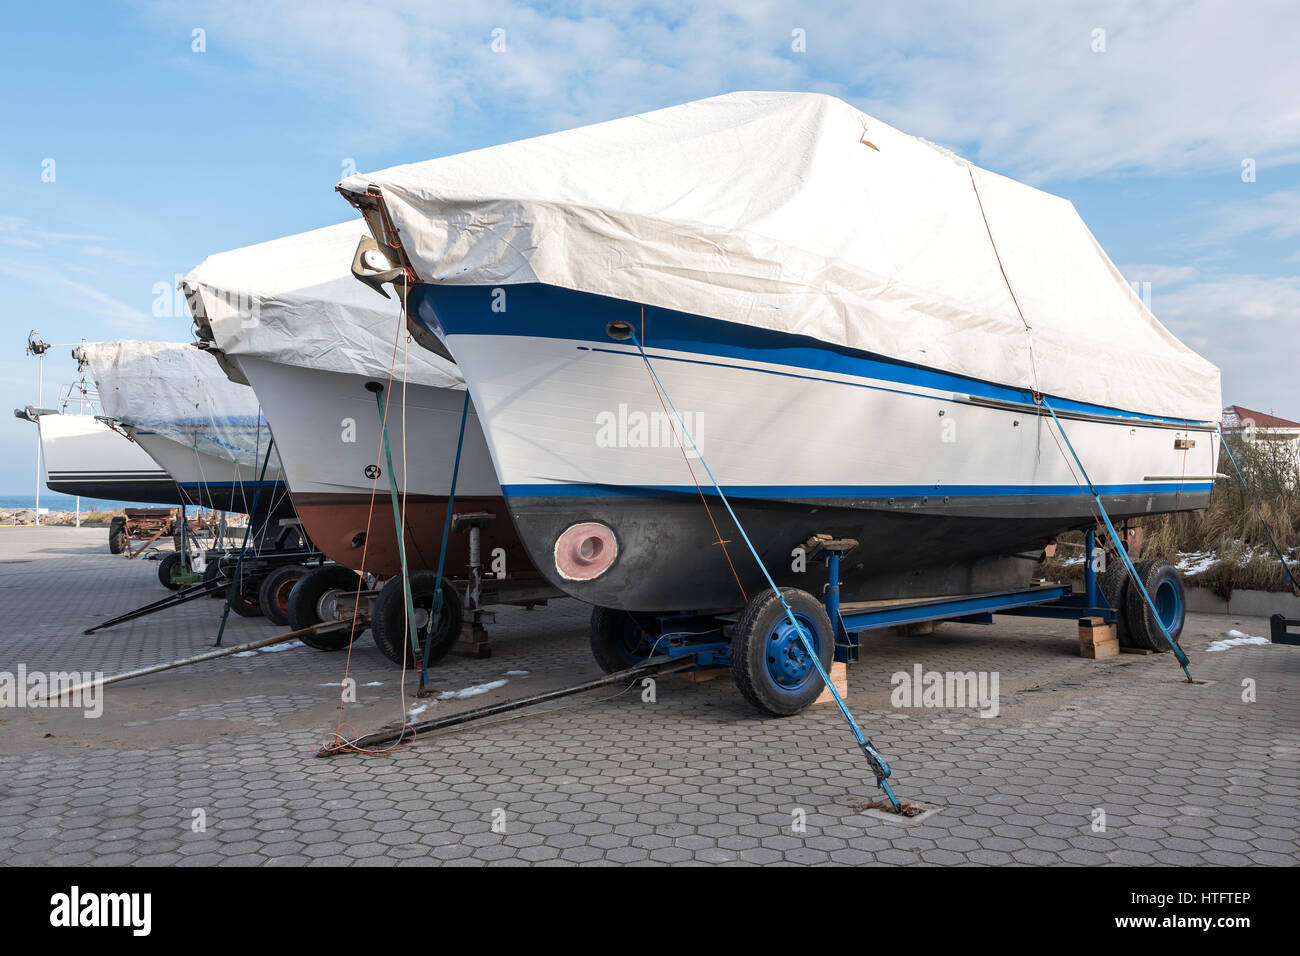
x=1048 y=600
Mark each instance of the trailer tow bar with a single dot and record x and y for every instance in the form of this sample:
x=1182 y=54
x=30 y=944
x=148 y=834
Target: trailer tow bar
x=656 y=668
x=171 y=600
x=313 y=631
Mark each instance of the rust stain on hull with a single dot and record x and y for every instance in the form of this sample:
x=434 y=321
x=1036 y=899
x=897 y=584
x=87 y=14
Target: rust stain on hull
x=337 y=524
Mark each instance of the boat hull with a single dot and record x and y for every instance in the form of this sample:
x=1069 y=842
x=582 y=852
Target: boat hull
x=950 y=485
x=327 y=432
x=215 y=483
x=83 y=456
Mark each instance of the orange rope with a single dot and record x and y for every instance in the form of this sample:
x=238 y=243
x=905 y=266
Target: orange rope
x=338 y=741
x=686 y=458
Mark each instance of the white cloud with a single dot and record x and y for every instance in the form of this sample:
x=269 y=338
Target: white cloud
x=1276 y=214
x=1182 y=84
x=17 y=231
x=1249 y=326
x=74 y=296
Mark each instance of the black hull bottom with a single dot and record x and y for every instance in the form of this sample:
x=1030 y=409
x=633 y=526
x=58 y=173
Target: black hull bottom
x=147 y=492
x=668 y=559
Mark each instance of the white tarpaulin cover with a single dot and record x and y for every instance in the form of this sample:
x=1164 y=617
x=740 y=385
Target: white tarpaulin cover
x=799 y=213
x=295 y=301
x=179 y=392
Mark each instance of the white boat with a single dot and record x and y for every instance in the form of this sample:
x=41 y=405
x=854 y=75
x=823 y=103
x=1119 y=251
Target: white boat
x=84 y=456
x=205 y=431
x=289 y=318
x=858 y=333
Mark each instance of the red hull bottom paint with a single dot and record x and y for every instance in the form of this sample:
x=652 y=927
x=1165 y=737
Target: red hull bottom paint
x=337 y=525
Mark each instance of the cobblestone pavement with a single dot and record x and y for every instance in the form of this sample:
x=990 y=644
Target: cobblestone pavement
x=215 y=764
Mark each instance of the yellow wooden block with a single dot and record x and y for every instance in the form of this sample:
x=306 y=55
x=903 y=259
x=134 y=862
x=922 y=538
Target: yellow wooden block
x=1097 y=640
x=699 y=677
x=840 y=678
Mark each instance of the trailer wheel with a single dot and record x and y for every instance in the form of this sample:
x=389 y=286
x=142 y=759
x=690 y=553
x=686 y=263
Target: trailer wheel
x=311 y=594
x=389 y=625
x=116 y=535
x=1165 y=585
x=769 y=662
x=273 y=595
x=620 y=639
x=166 y=567
x=211 y=571
x=245 y=602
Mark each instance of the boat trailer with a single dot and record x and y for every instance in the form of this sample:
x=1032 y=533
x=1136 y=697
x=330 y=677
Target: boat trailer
x=680 y=649
x=216 y=583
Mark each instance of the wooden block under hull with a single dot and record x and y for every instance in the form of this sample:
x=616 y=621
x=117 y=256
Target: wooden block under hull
x=840 y=678
x=1097 y=640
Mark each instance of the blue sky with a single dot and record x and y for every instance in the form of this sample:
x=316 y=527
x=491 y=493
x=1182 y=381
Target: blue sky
x=163 y=154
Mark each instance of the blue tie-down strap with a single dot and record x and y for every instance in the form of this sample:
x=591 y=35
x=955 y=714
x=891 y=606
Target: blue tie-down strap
x=877 y=763
x=1123 y=554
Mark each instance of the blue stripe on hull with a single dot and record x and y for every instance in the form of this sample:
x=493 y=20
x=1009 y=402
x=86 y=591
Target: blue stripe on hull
x=534 y=309
x=802 y=492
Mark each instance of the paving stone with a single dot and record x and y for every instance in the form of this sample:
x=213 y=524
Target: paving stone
x=697 y=778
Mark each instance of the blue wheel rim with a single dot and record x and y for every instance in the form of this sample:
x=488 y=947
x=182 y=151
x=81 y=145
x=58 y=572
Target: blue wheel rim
x=788 y=663
x=636 y=640
x=1169 y=603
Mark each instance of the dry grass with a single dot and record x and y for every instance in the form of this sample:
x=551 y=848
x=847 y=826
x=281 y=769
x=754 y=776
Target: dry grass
x=99 y=517
x=1229 y=527
x=1232 y=528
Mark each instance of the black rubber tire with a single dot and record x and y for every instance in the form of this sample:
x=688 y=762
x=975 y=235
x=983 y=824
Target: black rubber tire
x=311 y=587
x=620 y=639
x=273 y=594
x=1114 y=585
x=116 y=535
x=210 y=572
x=389 y=625
x=166 y=565
x=245 y=602
x=749 y=651
x=1144 y=632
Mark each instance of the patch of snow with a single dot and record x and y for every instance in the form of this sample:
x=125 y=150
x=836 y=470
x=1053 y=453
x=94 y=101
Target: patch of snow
x=418 y=709
x=1235 y=638
x=282 y=647
x=472 y=691
x=1196 y=562
x=516 y=673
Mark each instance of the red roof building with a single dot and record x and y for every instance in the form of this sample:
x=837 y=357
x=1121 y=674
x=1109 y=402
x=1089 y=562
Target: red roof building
x=1236 y=417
